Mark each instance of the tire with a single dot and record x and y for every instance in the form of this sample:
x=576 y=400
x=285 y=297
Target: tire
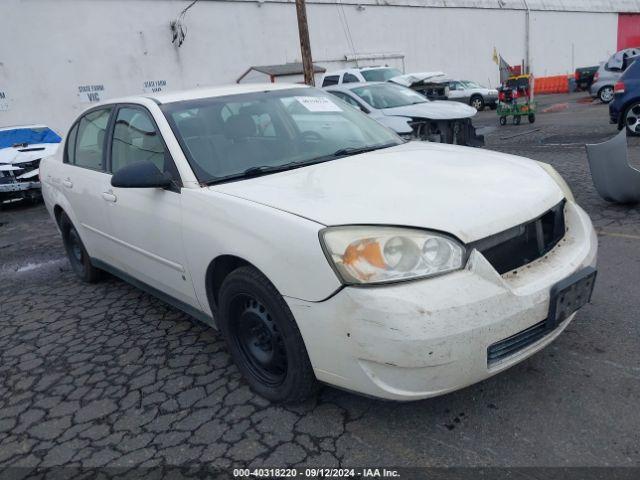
x=605 y=94
x=263 y=337
x=503 y=121
x=77 y=254
x=516 y=120
x=477 y=102
x=531 y=117
x=631 y=119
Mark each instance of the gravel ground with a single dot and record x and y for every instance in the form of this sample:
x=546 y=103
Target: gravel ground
x=105 y=375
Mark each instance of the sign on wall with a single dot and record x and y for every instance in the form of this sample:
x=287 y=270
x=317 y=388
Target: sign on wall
x=4 y=101
x=91 y=93
x=154 y=86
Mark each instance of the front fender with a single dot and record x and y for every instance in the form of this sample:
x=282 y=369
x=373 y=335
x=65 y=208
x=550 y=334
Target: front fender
x=283 y=246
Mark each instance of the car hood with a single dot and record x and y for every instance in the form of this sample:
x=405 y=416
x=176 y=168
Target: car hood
x=410 y=78
x=434 y=110
x=466 y=192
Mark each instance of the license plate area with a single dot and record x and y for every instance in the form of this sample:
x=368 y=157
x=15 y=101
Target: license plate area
x=569 y=295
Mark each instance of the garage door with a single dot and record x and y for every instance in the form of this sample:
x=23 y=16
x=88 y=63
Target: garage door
x=628 y=30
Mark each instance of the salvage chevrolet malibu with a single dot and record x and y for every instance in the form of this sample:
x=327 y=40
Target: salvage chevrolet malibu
x=322 y=246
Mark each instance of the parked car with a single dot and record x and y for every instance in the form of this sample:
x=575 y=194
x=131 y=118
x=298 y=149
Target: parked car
x=624 y=110
x=584 y=77
x=21 y=149
x=610 y=72
x=359 y=75
x=411 y=115
x=327 y=250
x=474 y=94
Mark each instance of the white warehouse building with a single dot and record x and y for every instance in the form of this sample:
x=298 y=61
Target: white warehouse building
x=57 y=56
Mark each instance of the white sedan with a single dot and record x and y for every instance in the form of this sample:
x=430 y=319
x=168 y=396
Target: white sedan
x=322 y=246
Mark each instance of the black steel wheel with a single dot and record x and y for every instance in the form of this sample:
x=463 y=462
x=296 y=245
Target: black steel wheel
x=503 y=121
x=516 y=119
x=263 y=337
x=532 y=117
x=257 y=337
x=76 y=252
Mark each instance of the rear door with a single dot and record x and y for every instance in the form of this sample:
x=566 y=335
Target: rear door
x=147 y=222
x=84 y=180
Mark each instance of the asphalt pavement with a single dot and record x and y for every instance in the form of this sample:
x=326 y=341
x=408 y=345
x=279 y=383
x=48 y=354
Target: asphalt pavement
x=106 y=375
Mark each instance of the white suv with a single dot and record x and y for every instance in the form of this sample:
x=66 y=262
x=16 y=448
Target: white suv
x=321 y=245
x=359 y=75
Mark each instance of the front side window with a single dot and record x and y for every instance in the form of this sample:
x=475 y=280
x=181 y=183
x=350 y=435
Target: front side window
x=349 y=78
x=225 y=137
x=90 y=139
x=380 y=74
x=136 y=139
x=388 y=95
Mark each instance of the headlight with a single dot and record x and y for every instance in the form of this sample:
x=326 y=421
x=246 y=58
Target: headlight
x=370 y=254
x=559 y=180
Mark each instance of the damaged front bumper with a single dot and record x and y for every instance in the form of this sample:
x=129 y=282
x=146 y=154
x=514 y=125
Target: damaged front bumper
x=456 y=132
x=424 y=338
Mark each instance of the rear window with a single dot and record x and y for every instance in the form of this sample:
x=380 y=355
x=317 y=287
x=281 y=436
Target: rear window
x=330 y=80
x=380 y=74
x=633 y=72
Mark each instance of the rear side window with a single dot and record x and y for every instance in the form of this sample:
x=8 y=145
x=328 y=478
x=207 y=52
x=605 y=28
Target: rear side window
x=89 y=143
x=330 y=80
x=70 y=148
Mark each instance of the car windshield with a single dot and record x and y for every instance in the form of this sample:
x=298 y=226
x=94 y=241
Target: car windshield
x=244 y=135
x=380 y=74
x=388 y=95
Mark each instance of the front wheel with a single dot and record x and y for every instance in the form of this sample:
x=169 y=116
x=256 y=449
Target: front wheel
x=263 y=337
x=516 y=120
x=605 y=94
x=78 y=256
x=532 y=117
x=503 y=121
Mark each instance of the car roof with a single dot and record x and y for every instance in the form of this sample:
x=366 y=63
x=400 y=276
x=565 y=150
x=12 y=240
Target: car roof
x=206 y=92
x=357 y=69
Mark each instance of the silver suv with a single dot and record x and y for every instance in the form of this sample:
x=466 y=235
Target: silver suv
x=610 y=72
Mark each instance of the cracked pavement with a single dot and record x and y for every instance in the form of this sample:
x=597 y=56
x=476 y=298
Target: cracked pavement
x=106 y=375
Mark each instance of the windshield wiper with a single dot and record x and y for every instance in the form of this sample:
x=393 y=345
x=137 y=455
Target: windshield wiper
x=357 y=150
x=256 y=172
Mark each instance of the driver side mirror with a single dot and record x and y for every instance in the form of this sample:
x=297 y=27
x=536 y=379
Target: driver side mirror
x=142 y=174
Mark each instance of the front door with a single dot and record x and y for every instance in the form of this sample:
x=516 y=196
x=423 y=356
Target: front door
x=147 y=222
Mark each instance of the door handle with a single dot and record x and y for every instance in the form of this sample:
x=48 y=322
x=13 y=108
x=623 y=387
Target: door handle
x=109 y=196
x=67 y=182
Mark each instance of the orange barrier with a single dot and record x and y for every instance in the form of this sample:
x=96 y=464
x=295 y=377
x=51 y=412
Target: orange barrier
x=553 y=84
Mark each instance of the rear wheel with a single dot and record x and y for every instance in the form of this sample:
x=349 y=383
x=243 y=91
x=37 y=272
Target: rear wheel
x=632 y=119
x=516 y=120
x=477 y=102
x=78 y=256
x=532 y=117
x=263 y=337
x=503 y=121
x=606 y=94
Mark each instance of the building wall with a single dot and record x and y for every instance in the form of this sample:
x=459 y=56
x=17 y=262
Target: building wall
x=110 y=48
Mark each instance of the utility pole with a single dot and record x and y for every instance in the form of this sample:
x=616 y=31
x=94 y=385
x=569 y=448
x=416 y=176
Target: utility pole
x=305 y=45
